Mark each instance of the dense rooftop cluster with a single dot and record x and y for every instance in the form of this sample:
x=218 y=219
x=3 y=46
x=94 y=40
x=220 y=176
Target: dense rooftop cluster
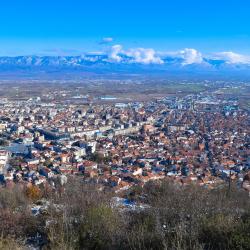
x=191 y=139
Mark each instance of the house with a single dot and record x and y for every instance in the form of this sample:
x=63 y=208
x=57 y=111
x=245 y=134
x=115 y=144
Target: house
x=114 y=181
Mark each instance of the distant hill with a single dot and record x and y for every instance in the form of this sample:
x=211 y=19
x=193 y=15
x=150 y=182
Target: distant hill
x=89 y=64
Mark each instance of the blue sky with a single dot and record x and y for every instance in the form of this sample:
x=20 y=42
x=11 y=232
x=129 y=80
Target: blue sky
x=74 y=26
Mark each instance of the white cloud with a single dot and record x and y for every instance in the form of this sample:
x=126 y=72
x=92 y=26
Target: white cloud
x=107 y=40
x=138 y=55
x=117 y=54
x=232 y=58
x=114 y=54
x=190 y=56
x=145 y=56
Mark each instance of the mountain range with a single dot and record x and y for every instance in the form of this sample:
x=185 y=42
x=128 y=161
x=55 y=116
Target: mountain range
x=190 y=62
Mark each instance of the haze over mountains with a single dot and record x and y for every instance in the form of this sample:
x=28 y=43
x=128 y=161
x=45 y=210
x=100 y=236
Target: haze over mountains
x=133 y=61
